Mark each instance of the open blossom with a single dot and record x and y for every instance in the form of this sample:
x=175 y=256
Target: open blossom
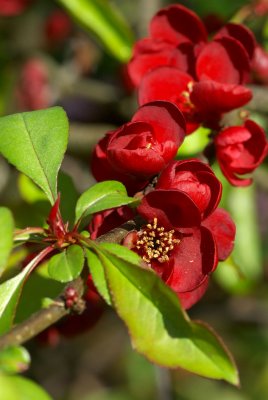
x=177 y=63
x=178 y=244
x=240 y=150
x=222 y=67
x=174 y=31
x=141 y=148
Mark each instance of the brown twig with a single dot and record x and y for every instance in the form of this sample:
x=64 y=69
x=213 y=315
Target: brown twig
x=46 y=317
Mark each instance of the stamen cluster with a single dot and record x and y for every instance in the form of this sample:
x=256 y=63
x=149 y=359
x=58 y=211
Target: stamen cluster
x=155 y=243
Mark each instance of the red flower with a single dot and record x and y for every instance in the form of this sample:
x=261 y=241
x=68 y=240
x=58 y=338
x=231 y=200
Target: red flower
x=102 y=169
x=240 y=33
x=260 y=65
x=13 y=7
x=174 y=32
x=142 y=147
x=58 y=26
x=176 y=244
x=171 y=84
x=33 y=91
x=240 y=150
x=149 y=54
x=177 y=24
x=196 y=179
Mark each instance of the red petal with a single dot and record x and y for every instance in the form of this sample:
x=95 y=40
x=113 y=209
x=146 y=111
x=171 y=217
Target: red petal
x=166 y=119
x=224 y=60
x=102 y=170
x=188 y=299
x=241 y=33
x=177 y=24
x=203 y=187
x=172 y=208
x=150 y=54
x=223 y=230
x=193 y=259
x=212 y=97
x=164 y=83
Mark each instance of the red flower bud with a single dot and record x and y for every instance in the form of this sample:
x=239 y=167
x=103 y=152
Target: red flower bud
x=102 y=169
x=196 y=179
x=240 y=150
x=142 y=147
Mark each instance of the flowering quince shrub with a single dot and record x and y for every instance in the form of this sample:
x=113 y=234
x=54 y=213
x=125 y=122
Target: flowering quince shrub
x=174 y=234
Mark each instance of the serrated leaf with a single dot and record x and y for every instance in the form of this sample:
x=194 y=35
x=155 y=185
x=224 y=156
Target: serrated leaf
x=35 y=142
x=102 y=196
x=159 y=328
x=20 y=388
x=9 y=295
x=6 y=235
x=66 y=266
x=105 y=21
x=14 y=359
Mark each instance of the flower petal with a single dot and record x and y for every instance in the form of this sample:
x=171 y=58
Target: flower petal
x=241 y=33
x=177 y=24
x=172 y=208
x=166 y=119
x=211 y=97
x=224 y=60
x=149 y=54
x=188 y=299
x=223 y=229
x=192 y=260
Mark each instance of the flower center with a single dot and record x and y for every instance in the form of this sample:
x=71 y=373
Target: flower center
x=155 y=242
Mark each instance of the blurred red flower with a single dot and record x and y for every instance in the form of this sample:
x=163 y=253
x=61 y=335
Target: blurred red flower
x=240 y=150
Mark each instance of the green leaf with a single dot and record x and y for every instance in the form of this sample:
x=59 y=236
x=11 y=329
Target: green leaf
x=20 y=388
x=98 y=276
x=35 y=142
x=9 y=295
x=159 y=328
x=69 y=196
x=14 y=359
x=102 y=196
x=6 y=235
x=66 y=266
x=29 y=191
x=105 y=21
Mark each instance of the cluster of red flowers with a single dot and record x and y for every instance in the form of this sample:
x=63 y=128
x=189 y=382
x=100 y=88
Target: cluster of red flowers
x=183 y=81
